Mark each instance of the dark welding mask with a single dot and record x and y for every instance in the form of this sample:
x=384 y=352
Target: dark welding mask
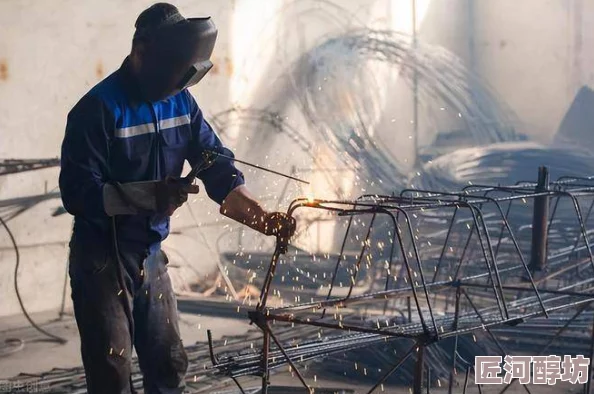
x=201 y=34
x=183 y=47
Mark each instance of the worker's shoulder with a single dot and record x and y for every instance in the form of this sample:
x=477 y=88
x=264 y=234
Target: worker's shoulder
x=188 y=97
x=110 y=90
x=102 y=98
x=89 y=106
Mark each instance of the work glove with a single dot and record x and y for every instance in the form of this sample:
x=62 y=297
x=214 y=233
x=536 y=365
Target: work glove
x=279 y=224
x=171 y=193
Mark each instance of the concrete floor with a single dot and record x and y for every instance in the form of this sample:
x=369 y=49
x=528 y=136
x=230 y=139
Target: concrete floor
x=39 y=356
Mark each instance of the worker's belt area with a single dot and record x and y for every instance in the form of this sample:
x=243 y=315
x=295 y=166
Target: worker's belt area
x=129 y=198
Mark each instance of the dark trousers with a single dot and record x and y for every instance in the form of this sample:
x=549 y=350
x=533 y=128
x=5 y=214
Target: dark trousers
x=108 y=328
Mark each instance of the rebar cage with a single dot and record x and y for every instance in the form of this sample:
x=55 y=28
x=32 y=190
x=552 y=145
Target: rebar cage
x=425 y=267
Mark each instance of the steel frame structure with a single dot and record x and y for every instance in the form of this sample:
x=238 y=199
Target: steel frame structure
x=438 y=308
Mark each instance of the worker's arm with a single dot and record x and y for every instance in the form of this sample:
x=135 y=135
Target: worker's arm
x=242 y=207
x=84 y=158
x=221 y=176
x=225 y=184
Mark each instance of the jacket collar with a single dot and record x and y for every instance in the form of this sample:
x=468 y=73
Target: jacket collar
x=130 y=83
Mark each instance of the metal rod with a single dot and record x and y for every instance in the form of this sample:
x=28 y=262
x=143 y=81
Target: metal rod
x=364 y=246
x=264 y=363
x=291 y=363
x=415 y=84
x=540 y=223
x=455 y=346
x=238 y=385
x=445 y=244
x=419 y=369
x=422 y=275
x=496 y=291
x=260 y=168
x=588 y=385
x=409 y=309
x=394 y=368
x=270 y=275
x=335 y=273
x=466 y=380
x=213 y=358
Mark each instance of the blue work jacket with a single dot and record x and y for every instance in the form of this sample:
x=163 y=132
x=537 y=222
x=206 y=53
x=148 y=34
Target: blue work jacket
x=112 y=134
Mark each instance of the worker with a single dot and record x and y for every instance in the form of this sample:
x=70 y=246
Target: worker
x=123 y=152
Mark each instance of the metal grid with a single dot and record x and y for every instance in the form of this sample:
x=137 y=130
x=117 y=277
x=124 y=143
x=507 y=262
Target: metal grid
x=467 y=261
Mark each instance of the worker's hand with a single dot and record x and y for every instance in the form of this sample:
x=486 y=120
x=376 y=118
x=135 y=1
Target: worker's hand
x=172 y=193
x=279 y=224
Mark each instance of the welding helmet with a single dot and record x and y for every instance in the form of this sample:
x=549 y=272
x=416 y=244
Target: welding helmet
x=189 y=43
x=182 y=46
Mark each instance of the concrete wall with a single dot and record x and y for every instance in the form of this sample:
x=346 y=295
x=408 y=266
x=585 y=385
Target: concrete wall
x=534 y=53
